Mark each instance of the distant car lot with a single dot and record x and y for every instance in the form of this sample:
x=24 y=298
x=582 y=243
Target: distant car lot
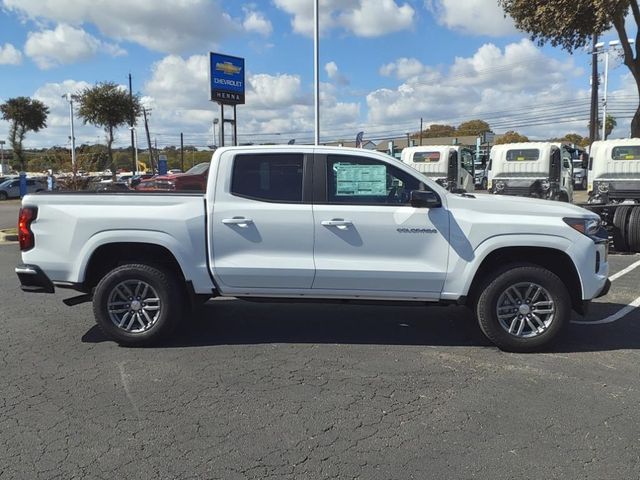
x=315 y=391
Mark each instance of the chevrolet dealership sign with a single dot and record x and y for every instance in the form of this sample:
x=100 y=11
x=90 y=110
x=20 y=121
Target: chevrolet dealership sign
x=226 y=75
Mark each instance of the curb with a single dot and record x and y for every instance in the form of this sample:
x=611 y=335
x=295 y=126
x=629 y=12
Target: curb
x=6 y=237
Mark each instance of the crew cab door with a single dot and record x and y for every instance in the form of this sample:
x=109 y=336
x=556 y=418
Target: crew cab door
x=262 y=223
x=368 y=238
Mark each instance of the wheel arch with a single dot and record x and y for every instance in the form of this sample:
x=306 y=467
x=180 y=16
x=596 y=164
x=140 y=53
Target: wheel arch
x=108 y=256
x=552 y=259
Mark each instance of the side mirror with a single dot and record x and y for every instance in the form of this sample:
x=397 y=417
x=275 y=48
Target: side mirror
x=424 y=199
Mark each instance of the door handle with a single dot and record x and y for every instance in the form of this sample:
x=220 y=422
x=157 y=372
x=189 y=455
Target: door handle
x=337 y=222
x=240 y=221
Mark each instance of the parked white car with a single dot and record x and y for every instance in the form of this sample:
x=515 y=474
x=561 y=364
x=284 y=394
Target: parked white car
x=315 y=223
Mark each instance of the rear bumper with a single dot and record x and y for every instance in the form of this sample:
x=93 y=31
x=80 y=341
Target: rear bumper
x=33 y=279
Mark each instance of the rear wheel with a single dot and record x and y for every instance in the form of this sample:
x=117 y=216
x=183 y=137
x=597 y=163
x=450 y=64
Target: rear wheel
x=633 y=230
x=523 y=308
x=137 y=304
x=620 y=222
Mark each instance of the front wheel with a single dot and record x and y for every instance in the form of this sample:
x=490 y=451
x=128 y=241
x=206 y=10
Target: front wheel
x=523 y=308
x=484 y=184
x=137 y=304
x=583 y=185
x=3 y=195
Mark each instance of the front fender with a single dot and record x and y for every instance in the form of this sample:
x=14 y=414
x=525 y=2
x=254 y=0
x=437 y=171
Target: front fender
x=461 y=272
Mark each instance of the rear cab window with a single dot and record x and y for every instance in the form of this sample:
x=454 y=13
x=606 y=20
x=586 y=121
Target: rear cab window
x=424 y=157
x=523 y=155
x=627 y=152
x=268 y=177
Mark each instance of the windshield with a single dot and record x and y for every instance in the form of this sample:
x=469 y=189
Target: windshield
x=198 y=169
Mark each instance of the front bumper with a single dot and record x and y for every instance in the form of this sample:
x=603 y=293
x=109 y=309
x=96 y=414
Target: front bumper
x=605 y=289
x=33 y=279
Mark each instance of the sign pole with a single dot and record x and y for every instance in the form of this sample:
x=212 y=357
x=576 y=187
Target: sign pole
x=235 y=127
x=316 y=59
x=222 y=124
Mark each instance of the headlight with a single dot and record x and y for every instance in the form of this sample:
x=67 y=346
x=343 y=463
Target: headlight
x=603 y=187
x=545 y=185
x=500 y=185
x=586 y=226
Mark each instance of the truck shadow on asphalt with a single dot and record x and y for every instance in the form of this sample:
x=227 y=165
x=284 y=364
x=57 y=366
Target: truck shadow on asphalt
x=237 y=322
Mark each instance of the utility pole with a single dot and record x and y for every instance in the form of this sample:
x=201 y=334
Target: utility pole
x=593 y=117
x=181 y=151
x=420 y=131
x=146 y=127
x=132 y=120
x=69 y=98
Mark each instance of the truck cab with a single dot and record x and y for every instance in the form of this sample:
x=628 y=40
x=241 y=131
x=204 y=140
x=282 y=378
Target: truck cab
x=451 y=166
x=532 y=169
x=614 y=171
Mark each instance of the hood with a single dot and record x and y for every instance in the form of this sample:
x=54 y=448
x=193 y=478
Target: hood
x=523 y=206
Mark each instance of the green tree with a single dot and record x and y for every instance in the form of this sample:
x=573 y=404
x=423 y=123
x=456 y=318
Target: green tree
x=108 y=106
x=436 y=130
x=571 y=24
x=609 y=124
x=511 y=137
x=24 y=115
x=473 y=128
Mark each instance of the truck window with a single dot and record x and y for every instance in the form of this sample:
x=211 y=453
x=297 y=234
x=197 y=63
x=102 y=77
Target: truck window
x=467 y=161
x=627 y=152
x=364 y=181
x=523 y=154
x=269 y=178
x=420 y=157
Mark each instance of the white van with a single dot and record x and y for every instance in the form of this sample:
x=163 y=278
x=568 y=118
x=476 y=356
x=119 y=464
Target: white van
x=449 y=165
x=614 y=171
x=531 y=169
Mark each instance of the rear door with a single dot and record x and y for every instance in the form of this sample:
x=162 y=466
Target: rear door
x=367 y=235
x=262 y=222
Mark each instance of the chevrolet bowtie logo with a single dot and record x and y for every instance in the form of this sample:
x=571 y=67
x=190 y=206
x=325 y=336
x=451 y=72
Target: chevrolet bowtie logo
x=228 y=68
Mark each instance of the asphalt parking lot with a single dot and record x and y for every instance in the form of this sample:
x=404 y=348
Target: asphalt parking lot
x=252 y=391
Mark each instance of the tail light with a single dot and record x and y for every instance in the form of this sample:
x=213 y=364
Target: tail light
x=25 y=236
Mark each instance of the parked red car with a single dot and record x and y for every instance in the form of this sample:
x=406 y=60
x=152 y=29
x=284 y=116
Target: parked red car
x=195 y=179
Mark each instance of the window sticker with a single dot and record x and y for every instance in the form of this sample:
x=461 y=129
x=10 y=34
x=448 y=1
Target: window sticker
x=360 y=180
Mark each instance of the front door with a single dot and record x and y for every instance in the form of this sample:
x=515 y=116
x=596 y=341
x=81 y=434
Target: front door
x=367 y=235
x=262 y=224
x=467 y=171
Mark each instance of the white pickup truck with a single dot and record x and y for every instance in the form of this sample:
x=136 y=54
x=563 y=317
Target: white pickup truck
x=321 y=224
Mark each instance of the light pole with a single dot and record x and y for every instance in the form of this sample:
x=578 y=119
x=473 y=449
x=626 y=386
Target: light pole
x=316 y=78
x=2 y=142
x=69 y=98
x=613 y=45
x=215 y=122
x=134 y=135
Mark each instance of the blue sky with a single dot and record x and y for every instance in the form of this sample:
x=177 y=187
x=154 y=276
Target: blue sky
x=384 y=65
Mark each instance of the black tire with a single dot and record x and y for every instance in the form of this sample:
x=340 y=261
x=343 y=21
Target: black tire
x=620 y=222
x=162 y=285
x=3 y=196
x=633 y=230
x=583 y=185
x=521 y=276
x=483 y=184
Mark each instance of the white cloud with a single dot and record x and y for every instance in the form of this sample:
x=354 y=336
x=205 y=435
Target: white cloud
x=403 y=68
x=518 y=79
x=475 y=17
x=162 y=25
x=65 y=45
x=363 y=18
x=256 y=22
x=10 y=55
x=334 y=74
x=373 y=18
